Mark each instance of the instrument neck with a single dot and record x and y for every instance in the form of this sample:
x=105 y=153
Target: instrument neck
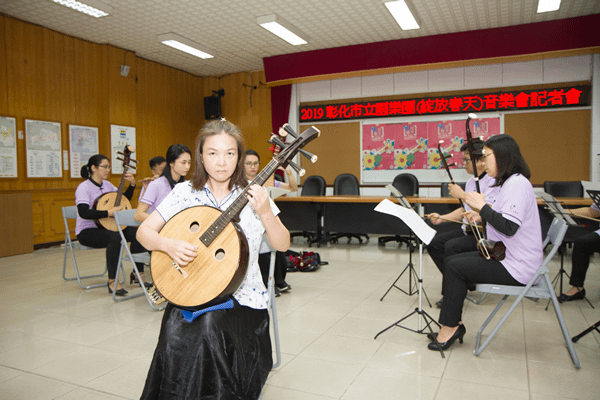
x=120 y=188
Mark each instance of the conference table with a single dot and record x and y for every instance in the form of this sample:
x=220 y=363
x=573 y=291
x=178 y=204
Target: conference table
x=356 y=214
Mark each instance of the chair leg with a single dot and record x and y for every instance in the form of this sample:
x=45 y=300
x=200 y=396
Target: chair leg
x=69 y=247
x=477 y=301
x=478 y=348
x=273 y=310
x=561 y=322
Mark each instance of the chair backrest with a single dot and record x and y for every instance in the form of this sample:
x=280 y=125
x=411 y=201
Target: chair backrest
x=564 y=189
x=125 y=217
x=314 y=185
x=444 y=188
x=346 y=184
x=555 y=235
x=70 y=212
x=407 y=184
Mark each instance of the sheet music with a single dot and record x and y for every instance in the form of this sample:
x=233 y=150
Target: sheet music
x=398 y=195
x=556 y=208
x=409 y=217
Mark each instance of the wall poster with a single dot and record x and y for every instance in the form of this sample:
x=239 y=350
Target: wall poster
x=411 y=146
x=43 y=144
x=8 y=147
x=120 y=136
x=83 y=144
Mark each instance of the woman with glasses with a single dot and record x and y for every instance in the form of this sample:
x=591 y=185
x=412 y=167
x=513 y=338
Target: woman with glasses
x=251 y=168
x=513 y=219
x=456 y=241
x=96 y=173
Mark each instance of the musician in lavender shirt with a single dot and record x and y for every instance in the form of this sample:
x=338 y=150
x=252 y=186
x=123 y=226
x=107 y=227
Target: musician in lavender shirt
x=513 y=219
x=96 y=173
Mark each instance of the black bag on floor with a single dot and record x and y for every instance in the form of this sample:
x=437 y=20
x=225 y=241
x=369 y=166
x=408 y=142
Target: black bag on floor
x=303 y=261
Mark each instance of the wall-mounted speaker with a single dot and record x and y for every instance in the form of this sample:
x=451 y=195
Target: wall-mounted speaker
x=212 y=107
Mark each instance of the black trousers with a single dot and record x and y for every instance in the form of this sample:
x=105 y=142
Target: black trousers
x=446 y=244
x=264 y=262
x=583 y=248
x=101 y=238
x=464 y=270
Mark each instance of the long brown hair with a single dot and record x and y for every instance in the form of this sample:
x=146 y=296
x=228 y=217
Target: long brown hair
x=218 y=127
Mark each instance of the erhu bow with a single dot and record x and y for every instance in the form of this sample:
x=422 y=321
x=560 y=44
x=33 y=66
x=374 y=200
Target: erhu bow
x=487 y=248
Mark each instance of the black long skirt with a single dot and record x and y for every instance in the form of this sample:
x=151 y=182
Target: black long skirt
x=224 y=354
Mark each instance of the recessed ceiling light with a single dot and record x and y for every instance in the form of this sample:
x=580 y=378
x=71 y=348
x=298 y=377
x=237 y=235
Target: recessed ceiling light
x=402 y=14
x=89 y=7
x=185 y=45
x=280 y=27
x=548 y=5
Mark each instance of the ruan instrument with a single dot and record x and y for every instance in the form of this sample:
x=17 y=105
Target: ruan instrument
x=115 y=199
x=487 y=248
x=222 y=261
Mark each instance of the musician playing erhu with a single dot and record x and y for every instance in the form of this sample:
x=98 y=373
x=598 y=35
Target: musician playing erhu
x=456 y=241
x=226 y=353
x=513 y=219
x=96 y=173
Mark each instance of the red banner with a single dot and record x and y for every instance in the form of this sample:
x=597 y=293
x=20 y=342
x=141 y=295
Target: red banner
x=573 y=96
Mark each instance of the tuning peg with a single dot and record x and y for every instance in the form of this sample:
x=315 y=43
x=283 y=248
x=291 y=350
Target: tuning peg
x=310 y=156
x=297 y=168
x=287 y=129
x=275 y=140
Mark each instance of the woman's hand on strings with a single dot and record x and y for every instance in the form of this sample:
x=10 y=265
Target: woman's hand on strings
x=472 y=217
x=475 y=200
x=180 y=251
x=456 y=191
x=257 y=196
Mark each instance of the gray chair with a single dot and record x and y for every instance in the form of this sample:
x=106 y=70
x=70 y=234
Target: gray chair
x=539 y=286
x=346 y=184
x=124 y=219
x=71 y=213
x=408 y=185
x=271 y=302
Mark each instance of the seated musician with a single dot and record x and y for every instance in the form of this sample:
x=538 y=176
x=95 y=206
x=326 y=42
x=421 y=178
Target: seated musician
x=445 y=244
x=96 y=173
x=178 y=163
x=224 y=353
x=584 y=247
x=157 y=165
x=513 y=219
x=251 y=168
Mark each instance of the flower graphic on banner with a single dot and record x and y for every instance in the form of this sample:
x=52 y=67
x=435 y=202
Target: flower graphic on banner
x=370 y=160
x=404 y=158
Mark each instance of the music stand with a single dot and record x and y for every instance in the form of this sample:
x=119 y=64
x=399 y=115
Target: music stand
x=413 y=288
x=557 y=210
x=419 y=232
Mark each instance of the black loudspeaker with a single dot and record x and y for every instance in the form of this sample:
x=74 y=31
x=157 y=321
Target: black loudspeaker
x=212 y=107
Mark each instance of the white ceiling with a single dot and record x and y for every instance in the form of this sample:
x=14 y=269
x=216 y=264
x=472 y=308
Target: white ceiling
x=229 y=26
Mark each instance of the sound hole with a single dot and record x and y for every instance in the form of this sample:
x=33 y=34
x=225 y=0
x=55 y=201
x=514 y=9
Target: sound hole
x=219 y=254
x=194 y=227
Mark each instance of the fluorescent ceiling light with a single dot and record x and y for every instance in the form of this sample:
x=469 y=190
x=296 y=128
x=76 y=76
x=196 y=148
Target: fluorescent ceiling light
x=548 y=5
x=89 y=7
x=280 y=27
x=186 y=45
x=402 y=15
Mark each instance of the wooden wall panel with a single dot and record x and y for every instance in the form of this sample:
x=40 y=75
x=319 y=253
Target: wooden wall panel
x=3 y=69
x=16 y=220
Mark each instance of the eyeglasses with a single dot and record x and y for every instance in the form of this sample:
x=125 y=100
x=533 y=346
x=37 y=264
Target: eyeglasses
x=252 y=164
x=106 y=167
x=485 y=155
x=466 y=160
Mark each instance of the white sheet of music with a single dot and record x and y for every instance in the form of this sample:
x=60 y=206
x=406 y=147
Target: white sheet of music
x=409 y=217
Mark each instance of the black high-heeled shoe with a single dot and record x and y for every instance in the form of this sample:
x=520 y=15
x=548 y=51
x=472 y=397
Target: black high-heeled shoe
x=133 y=278
x=580 y=295
x=120 y=292
x=460 y=332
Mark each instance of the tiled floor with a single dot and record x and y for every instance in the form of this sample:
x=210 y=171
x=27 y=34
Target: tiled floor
x=58 y=341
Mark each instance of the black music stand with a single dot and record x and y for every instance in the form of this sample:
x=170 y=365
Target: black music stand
x=558 y=211
x=413 y=287
x=419 y=310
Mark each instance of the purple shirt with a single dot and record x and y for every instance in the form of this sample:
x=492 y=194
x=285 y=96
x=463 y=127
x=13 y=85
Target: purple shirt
x=87 y=193
x=156 y=191
x=517 y=203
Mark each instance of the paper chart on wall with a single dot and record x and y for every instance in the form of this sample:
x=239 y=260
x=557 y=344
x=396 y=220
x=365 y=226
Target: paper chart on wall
x=120 y=136
x=83 y=144
x=8 y=148
x=43 y=144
